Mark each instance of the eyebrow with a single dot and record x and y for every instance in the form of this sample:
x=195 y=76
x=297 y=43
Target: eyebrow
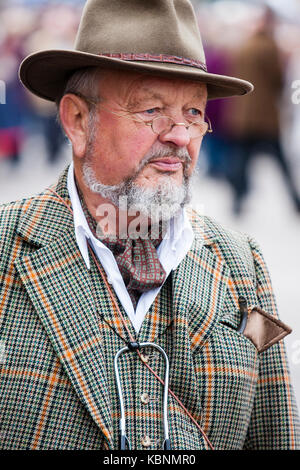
x=197 y=94
x=147 y=96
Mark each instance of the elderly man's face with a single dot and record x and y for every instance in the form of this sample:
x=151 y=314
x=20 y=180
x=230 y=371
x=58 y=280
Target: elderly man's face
x=120 y=144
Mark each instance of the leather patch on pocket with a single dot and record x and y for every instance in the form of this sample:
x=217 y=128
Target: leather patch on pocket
x=264 y=330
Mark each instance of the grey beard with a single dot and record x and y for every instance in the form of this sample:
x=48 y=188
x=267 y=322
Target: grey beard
x=160 y=203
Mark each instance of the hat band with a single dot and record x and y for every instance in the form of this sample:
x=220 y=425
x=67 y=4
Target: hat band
x=172 y=59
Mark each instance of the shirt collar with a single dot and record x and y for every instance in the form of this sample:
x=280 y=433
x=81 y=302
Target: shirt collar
x=81 y=227
x=179 y=228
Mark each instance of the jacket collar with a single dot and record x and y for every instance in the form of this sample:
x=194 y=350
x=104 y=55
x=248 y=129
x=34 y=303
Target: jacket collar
x=45 y=217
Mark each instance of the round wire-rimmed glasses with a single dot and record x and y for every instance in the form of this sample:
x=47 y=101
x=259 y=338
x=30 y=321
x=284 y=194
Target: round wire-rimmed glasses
x=162 y=124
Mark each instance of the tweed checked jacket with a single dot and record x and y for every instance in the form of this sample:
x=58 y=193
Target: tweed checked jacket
x=57 y=341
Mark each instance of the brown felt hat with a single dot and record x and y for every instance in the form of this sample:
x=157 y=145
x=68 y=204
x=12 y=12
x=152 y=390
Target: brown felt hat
x=158 y=37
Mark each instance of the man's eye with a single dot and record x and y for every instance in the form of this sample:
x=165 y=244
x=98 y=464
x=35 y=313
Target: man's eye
x=148 y=114
x=150 y=111
x=194 y=112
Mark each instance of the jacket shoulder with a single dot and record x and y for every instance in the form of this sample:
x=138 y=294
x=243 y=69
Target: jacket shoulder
x=226 y=234
x=12 y=212
x=215 y=229
x=234 y=245
x=10 y=215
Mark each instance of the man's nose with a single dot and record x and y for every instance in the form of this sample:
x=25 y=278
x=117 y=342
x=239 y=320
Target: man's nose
x=179 y=135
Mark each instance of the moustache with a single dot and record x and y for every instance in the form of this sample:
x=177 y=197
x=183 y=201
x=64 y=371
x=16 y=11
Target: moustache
x=162 y=151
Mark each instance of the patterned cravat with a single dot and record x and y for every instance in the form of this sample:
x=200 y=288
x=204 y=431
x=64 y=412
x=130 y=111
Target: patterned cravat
x=137 y=259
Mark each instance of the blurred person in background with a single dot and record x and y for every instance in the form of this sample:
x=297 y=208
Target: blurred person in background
x=28 y=29
x=255 y=123
x=217 y=146
x=291 y=42
x=55 y=27
x=14 y=110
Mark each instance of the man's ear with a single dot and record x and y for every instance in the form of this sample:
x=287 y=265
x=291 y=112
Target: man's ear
x=74 y=117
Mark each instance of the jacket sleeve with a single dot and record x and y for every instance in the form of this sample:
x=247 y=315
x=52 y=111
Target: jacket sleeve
x=274 y=421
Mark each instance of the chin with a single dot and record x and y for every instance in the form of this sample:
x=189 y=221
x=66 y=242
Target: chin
x=163 y=176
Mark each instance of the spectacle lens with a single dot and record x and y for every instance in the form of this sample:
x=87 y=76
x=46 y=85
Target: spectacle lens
x=163 y=125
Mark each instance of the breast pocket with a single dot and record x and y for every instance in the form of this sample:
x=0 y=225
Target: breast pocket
x=227 y=372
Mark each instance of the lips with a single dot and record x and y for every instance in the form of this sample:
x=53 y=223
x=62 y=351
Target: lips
x=167 y=164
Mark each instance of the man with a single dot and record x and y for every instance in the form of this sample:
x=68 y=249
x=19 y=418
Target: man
x=108 y=259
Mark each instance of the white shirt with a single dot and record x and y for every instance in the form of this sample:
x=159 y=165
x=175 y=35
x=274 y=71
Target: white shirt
x=171 y=251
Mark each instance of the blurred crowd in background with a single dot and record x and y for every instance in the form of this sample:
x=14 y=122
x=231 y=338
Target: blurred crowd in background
x=27 y=28
x=241 y=38
x=260 y=42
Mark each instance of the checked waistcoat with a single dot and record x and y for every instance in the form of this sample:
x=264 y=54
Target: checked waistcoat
x=57 y=388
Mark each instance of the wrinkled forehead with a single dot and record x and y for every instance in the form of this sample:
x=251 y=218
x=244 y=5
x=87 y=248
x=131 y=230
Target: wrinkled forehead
x=130 y=88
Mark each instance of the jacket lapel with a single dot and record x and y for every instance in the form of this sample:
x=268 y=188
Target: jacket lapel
x=199 y=288
x=200 y=284
x=197 y=291
x=58 y=284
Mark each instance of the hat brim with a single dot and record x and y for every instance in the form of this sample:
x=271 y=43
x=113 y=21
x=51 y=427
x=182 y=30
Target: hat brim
x=45 y=73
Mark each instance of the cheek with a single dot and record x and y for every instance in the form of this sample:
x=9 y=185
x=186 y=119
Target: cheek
x=118 y=153
x=131 y=147
x=138 y=141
